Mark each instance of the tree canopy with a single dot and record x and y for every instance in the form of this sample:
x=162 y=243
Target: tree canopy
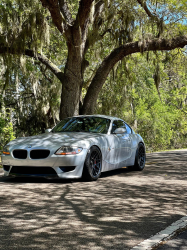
x=62 y=58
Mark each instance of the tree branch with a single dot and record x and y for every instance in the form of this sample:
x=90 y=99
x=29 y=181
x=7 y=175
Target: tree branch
x=83 y=13
x=144 y=6
x=96 y=25
x=53 y=7
x=43 y=59
x=65 y=11
x=158 y=20
x=98 y=8
x=117 y=55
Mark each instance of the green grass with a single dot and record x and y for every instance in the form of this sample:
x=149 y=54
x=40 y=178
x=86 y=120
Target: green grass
x=165 y=150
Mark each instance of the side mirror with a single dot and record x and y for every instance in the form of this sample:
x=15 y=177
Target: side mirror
x=48 y=130
x=120 y=131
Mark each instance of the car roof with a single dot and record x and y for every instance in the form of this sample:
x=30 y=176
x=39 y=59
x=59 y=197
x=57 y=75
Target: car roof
x=112 y=118
x=103 y=116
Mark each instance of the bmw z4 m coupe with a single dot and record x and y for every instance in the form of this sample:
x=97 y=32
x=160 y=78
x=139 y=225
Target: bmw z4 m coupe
x=81 y=146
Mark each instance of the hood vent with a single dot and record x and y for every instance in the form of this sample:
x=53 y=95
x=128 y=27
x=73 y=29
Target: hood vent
x=39 y=153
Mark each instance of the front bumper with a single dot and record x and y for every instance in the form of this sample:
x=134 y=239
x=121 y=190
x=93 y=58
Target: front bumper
x=64 y=166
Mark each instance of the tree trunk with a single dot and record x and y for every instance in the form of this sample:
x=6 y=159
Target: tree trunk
x=70 y=96
x=71 y=83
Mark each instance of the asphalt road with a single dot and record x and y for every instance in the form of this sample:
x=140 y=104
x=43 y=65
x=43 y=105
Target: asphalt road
x=118 y=211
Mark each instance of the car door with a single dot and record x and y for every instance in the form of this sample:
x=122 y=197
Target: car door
x=113 y=149
x=125 y=141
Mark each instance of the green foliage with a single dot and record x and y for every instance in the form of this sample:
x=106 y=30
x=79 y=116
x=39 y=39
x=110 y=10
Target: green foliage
x=6 y=130
x=28 y=86
x=158 y=112
x=154 y=121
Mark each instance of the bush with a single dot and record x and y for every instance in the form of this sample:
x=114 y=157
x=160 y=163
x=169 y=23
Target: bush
x=6 y=131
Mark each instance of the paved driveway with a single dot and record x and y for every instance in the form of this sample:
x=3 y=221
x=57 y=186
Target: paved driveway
x=118 y=211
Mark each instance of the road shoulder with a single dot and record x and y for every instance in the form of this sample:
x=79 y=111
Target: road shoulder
x=163 y=236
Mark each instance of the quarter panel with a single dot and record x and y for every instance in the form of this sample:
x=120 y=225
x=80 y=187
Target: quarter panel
x=136 y=139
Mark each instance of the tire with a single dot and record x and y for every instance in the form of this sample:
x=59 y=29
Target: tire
x=92 y=164
x=140 y=158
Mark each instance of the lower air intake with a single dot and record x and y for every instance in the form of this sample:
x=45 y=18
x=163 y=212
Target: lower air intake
x=67 y=169
x=6 y=167
x=32 y=170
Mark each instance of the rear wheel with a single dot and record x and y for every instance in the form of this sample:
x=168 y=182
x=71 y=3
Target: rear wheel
x=93 y=164
x=140 y=158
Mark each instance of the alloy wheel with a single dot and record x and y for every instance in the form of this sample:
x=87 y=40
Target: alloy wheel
x=95 y=163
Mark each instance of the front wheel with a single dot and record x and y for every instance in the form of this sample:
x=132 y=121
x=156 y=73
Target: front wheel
x=93 y=164
x=140 y=158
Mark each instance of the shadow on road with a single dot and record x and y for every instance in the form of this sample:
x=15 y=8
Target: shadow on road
x=118 y=211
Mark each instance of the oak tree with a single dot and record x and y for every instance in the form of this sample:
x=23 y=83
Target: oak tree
x=65 y=37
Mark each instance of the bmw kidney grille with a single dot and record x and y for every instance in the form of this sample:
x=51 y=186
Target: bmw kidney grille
x=39 y=153
x=34 y=154
x=20 y=153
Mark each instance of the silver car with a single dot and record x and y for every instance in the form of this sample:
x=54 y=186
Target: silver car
x=81 y=146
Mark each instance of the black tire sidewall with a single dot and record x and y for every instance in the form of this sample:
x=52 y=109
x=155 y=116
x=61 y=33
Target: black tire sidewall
x=136 y=164
x=87 y=171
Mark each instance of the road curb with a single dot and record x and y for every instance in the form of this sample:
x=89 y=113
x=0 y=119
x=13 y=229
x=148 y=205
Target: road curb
x=163 y=236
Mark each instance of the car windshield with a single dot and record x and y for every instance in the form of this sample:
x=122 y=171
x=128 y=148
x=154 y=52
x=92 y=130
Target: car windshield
x=90 y=124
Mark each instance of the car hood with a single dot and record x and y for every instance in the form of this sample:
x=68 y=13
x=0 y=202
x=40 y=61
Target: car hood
x=54 y=140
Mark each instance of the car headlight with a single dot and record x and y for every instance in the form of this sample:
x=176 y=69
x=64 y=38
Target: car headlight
x=68 y=151
x=6 y=150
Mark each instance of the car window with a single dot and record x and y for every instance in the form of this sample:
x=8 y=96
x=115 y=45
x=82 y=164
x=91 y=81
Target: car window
x=89 y=124
x=117 y=124
x=120 y=124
